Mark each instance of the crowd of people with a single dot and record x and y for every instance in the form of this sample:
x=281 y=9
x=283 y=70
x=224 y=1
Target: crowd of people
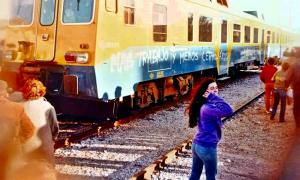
x=28 y=130
x=281 y=85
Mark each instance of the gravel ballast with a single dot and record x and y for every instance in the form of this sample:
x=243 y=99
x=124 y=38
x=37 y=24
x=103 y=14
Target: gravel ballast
x=121 y=152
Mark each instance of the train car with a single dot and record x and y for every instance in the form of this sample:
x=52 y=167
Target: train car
x=99 y=56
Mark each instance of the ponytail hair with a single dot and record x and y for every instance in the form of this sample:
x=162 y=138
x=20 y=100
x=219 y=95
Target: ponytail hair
x=197 y=100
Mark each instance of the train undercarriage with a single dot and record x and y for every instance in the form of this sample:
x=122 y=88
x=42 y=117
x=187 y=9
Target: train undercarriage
x=146 y=93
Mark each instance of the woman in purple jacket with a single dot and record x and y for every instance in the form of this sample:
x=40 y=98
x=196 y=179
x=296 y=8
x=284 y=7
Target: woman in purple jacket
x=206 y=110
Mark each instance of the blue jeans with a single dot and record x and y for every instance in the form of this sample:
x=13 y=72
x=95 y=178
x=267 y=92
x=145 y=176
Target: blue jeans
x=206 y=156
x=280 y=95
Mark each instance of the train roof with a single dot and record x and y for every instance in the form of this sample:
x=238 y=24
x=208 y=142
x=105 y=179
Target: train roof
x=250 y=14
x=216 y=5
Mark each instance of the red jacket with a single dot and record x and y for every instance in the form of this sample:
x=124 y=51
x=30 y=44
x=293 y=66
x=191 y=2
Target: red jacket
x=267 y=73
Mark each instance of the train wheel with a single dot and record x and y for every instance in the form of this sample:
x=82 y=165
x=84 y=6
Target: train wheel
x=184 y=84
x=146 y=94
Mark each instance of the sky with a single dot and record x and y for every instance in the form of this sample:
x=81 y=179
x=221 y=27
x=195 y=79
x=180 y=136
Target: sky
x=284 y=13
x=4 y=9
x=277 y=12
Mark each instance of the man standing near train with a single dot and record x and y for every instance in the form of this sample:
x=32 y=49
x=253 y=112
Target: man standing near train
x=293 y=78
x=266 y=77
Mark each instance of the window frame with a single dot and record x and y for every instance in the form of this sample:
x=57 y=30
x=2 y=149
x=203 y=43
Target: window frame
x=238 y=31
x=130 y=9
x=80 y=23
x=190 y=25
x=268 y=36
x=255 y=34
x=164 y=27
x=263 y=36
x=23 y=25
x=247 y=34
x=224 y=38
x=208 y=26
x=54 y=14
x=109 y=7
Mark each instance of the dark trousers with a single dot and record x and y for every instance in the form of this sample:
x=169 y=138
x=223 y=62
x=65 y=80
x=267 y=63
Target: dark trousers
x=280 y=95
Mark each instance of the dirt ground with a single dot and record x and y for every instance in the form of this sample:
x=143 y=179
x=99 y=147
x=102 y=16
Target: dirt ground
x=255 y=147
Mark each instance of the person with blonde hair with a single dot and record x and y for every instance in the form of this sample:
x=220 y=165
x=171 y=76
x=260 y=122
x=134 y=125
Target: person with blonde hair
x=280 y=91
x=15 y=129
x=43 y=115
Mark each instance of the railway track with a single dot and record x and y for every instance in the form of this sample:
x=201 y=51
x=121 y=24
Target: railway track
x=122 y=151
x=76 y=131
x=167 y=158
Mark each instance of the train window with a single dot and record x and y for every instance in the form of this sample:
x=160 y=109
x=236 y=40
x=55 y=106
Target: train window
x=247 y=34
x=21 y=12
x=159 y=23
x=236 y=33
x=80 y=11
x=268 y=36
x=129 y=12
x=224 y=31
x=263 y=36
x=190 y=27
x=273 y=37
x=111 y=5
x=277 y=37
x=47 y=12
x=255 y=35
x=205 y=29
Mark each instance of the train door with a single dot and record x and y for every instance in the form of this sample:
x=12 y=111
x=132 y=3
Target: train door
x=223 y=49
x=46 y=30
x=264 y=47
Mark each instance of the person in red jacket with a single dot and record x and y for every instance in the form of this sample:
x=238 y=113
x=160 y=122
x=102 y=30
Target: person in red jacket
x=266 y=75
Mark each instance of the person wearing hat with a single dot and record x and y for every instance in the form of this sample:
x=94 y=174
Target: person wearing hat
x=15 y=130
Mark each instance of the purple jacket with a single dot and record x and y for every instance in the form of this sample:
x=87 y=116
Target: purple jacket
x=210 y=124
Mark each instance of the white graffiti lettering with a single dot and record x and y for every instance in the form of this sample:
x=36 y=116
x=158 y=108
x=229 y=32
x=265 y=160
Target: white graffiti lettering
x=207 y=56
x=156 y=56
x=188 y=56
x=121 y=62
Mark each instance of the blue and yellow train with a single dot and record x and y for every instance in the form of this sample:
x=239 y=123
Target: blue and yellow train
x=97 y=56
